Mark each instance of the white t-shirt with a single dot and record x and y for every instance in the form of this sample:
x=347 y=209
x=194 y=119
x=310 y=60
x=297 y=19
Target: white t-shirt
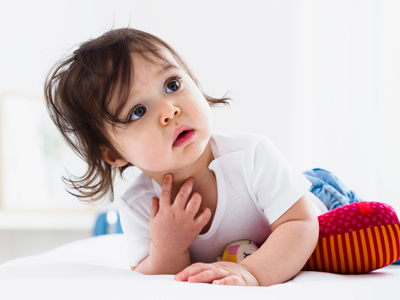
x=256 y=185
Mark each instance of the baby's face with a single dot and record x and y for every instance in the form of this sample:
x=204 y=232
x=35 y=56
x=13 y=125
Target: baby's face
x=163 y=101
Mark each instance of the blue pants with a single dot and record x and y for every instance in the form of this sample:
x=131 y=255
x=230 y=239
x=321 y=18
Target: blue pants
x=329 y=189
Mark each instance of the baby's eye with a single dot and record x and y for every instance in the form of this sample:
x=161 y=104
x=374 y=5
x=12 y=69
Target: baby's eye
x=172 y=86
x=137 y=113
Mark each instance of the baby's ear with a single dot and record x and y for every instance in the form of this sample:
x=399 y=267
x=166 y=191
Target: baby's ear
x=112 y=157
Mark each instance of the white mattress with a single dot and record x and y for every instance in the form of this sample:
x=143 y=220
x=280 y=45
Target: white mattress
x=96 y=268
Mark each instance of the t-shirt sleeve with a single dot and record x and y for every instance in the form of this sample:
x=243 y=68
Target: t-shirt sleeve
x=135 y=225
x=276 y=184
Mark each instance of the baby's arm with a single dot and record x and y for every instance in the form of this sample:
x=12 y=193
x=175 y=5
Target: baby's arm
x=173 y=228
x=292 y=241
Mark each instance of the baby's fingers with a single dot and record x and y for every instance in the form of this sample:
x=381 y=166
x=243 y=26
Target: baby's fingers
x=165 y=197
x=192 y=270
x=194 y=204
x=210 y=275
x=230 y=280
x=155 y=207
x=204 y=217
x=184 y=194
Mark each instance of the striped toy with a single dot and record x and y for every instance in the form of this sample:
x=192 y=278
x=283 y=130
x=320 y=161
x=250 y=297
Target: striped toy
x=356 y=238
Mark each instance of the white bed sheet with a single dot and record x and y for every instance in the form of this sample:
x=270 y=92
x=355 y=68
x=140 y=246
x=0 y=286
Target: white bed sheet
x=96 y=268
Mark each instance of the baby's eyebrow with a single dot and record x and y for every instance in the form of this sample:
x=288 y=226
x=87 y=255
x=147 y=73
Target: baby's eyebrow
x=164 y=68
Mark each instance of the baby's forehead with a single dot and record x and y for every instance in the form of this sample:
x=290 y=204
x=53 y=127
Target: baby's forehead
x=154 y=63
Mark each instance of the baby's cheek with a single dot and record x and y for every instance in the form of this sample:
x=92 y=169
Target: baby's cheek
x=206 y=117
x=152 y=157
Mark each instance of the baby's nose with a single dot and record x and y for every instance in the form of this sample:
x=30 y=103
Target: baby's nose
x=169 y=113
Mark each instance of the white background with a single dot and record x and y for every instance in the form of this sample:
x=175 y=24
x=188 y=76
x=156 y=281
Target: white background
x=320 y=78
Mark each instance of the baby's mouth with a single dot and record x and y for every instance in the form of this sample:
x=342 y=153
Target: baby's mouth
x=183 y=137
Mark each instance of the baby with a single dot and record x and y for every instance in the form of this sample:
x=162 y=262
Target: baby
x=128 y=99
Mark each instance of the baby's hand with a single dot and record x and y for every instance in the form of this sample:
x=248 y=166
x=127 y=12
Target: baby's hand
x=221 y=272
x=173 y=226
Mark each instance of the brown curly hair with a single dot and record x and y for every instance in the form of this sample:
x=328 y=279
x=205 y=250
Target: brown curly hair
x=78 y=90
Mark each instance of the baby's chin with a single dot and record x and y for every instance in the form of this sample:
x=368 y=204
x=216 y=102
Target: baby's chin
x=178 y=166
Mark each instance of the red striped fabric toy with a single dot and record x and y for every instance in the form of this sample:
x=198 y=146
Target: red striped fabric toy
x=353 y=239
x=356 y=238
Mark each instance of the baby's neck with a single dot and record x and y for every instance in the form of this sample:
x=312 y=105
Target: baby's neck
x=200 y=173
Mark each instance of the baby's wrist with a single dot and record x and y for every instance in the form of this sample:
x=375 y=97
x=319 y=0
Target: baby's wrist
x=166 y=261
x=169 y=251
x=250 y=278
